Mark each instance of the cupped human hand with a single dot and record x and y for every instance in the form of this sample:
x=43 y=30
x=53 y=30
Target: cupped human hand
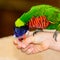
x=34 y=44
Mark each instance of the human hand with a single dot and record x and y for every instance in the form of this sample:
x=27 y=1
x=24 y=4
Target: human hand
x=33 y=44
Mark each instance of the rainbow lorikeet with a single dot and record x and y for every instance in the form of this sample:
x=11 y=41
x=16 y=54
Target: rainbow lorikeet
x=51 y=14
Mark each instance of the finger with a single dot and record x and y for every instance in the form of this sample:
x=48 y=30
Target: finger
x=37 y=49
x=29 y=51
x=28 y=47
x=27 y=41
x=34 y=49
x=20 y=45
x=15 y=42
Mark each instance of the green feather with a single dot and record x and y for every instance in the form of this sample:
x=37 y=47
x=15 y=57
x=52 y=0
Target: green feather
x=52 y=14
x=58 y=28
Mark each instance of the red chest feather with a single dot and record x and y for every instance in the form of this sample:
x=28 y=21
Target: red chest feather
x=39 y=22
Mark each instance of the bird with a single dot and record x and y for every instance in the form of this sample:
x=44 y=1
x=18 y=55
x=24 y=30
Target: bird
x=46 y=13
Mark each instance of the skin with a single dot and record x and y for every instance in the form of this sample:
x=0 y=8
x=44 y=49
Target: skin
x=32 y=45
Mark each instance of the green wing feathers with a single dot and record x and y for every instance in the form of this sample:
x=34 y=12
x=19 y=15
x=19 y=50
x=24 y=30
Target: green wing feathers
x=52 y=14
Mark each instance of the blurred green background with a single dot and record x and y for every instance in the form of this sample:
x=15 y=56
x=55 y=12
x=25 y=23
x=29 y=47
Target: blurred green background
x=10 y=10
